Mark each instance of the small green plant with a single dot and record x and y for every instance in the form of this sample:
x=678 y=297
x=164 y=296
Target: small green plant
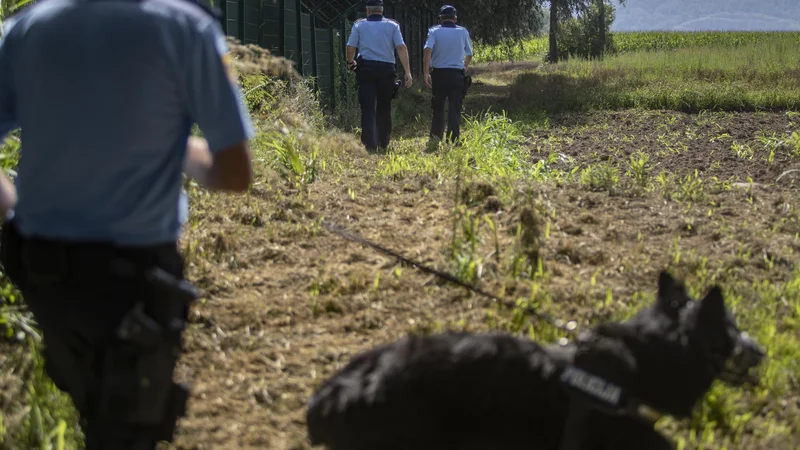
x=291 y=161
x=638 y=168
x=600 y=177
x=465 y=246
x=690 y=188
x=742 y=151
x=793 y=142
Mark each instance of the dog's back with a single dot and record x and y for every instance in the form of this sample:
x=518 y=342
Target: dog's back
x=437 y=391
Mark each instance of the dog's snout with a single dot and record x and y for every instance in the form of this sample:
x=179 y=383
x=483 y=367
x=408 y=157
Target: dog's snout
x=753 y=351
x=742 y=368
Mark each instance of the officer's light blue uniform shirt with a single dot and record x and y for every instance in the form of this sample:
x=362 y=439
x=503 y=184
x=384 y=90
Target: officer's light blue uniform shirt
x=105 y=94
x=376 y=38
x=450 y=43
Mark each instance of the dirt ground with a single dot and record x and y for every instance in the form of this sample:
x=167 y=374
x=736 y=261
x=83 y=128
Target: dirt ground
x=287 y=303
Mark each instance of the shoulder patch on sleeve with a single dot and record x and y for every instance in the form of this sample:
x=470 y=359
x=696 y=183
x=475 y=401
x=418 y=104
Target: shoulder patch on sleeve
x=359 y=21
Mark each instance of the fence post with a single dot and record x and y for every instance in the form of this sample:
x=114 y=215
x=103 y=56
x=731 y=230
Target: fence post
x=298 y=13
x=333 y=67
x=240 y=25
x=314 y=72
x=344 y=55
x=282 y=26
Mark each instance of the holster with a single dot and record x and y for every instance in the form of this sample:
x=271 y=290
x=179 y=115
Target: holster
x=138 y=372
x=467 y=83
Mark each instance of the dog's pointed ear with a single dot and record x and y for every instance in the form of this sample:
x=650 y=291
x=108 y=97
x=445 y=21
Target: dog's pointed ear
x=671 y=293
x=712 y=306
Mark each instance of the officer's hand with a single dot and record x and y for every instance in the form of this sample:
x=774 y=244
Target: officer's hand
x=8 y=195
x=352 y=66
x=428 y=81
x=409 y=80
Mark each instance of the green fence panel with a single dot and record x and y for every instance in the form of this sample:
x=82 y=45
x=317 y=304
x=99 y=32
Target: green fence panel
x=251 y=21
x=272 y=27
x=291 y=32
x=232 y=18
x=324 y=52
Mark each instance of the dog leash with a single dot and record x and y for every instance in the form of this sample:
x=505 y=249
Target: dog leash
x=568 y=327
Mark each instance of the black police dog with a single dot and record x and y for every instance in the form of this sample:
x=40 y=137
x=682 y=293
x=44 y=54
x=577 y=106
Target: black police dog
x=461 y=391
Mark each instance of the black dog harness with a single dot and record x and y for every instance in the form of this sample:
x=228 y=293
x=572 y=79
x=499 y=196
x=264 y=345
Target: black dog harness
x=604 y=396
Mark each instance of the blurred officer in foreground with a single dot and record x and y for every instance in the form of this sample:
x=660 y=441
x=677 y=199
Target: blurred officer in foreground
x=105 y=92
x=448 y=52
x=376 y=38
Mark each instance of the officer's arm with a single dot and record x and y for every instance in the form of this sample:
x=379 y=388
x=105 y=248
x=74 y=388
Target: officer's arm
x=8 y=121
x=352 y=44
x=428 y=53
x=221 y=161
x=402 y=50
x=467 y=51
x=351 y=54
x=8 y=195
x=8 y=107
x=228 y=169
x=426 y=61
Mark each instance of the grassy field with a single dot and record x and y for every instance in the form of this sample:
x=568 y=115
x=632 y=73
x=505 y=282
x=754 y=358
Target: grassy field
x=576 y=184
x=700 y=72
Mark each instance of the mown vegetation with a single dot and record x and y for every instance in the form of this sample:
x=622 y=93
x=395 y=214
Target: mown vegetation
x=575 y=184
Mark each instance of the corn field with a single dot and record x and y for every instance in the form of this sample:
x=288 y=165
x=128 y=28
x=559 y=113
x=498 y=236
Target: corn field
x=642 y=41
x=674 y=40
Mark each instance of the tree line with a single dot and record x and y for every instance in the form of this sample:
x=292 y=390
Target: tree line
x=576 y=28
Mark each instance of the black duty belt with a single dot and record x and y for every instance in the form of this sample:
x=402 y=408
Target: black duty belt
x=39 y=260
x=371 y=62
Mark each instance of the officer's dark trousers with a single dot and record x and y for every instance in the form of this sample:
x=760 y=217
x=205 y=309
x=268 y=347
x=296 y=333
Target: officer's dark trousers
x=448 y=90
x=78 y=294
x=375 y=84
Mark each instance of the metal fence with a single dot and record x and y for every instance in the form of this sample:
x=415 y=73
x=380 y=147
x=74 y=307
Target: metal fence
x=313 y=34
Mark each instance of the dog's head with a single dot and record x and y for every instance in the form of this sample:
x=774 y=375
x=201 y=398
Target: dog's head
x=669 y=354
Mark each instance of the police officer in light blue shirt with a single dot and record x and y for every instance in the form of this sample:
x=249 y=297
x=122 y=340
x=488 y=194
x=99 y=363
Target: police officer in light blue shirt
x=448 y=52
x=105 y=93
x=376 y=39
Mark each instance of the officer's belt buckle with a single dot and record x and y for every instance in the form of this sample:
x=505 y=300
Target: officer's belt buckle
x=44 y=262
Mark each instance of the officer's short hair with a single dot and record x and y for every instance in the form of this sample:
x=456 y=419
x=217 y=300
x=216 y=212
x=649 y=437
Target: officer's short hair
x=448 y=17
x=375 y=9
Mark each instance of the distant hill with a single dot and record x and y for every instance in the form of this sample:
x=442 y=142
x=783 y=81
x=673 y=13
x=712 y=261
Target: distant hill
x=696 y=15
